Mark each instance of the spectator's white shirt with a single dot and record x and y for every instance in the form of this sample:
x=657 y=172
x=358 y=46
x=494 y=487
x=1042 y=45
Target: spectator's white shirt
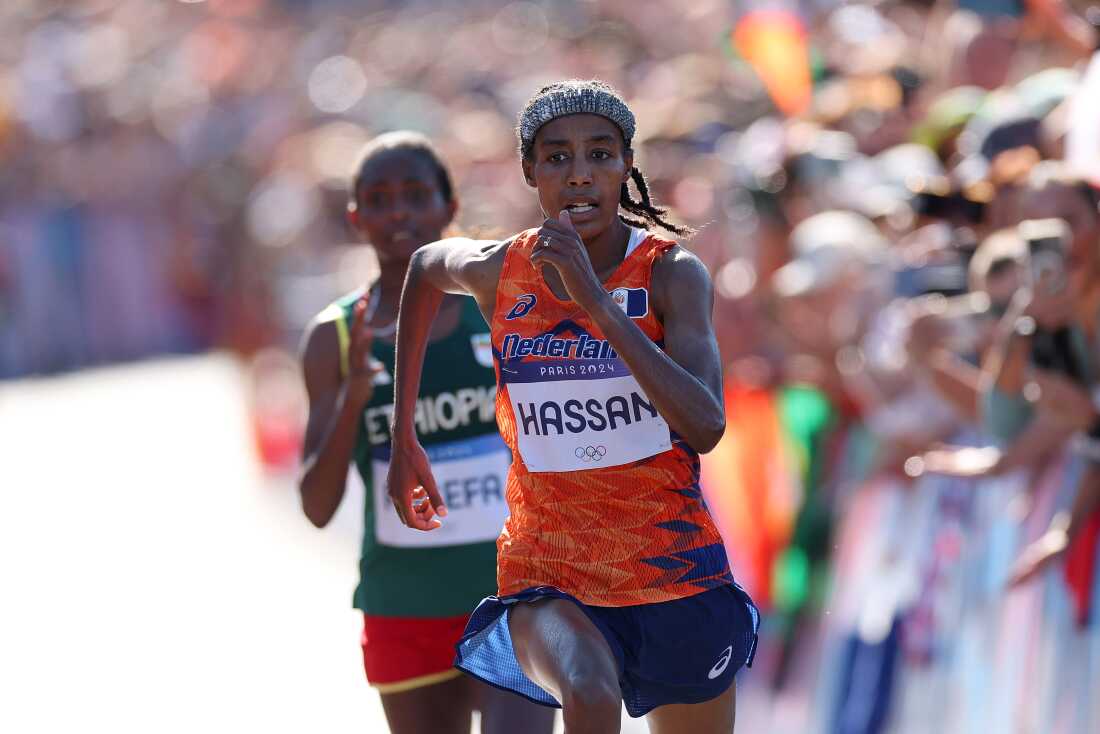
x=1083 y=136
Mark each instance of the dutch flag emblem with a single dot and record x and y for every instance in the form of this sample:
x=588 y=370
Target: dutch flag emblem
x=633 y=301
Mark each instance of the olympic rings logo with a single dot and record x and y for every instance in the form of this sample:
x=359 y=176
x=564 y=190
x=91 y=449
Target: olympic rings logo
x=590 y=453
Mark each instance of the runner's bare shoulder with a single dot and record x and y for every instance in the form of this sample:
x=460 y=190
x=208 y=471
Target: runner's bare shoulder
x=679 y=276
x=475 y=265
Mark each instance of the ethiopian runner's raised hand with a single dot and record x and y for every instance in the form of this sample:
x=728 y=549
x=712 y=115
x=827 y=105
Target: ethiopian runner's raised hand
x=362 y=367
x=411 y=486
x=560 y=247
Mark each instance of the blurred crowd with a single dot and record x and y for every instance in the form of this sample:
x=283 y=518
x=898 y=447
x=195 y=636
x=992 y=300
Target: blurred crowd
x=900 y=212
x=174 y=173
x=910 y=476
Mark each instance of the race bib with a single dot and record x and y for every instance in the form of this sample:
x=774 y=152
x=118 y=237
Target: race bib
x=584 y=414
x=470 y=474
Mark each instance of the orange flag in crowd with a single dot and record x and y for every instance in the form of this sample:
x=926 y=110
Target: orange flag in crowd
x=774 y=43
x=751 y=489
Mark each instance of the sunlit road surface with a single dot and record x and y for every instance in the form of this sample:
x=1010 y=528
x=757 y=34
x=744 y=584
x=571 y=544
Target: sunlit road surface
x=153 y=580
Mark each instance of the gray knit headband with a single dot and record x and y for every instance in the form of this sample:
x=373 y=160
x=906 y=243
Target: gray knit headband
x=570 y=98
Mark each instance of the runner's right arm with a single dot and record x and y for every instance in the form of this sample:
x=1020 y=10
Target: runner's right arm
x=456 y=265
x=335 y=407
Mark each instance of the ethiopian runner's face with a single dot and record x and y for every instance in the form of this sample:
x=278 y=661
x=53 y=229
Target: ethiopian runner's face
x=399 y=204
x=579 y=163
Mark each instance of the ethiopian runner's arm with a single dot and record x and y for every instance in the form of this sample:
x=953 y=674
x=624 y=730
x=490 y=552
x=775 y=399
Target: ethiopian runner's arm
x=455 y=265
x=330 y=432
x=336 y=402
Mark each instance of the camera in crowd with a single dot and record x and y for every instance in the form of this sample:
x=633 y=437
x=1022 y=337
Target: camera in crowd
x=1047 y=242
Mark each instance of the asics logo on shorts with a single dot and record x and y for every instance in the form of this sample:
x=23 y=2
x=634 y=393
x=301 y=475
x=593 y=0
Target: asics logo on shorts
x=590 y=453
x=720 y=666
x=523 y=305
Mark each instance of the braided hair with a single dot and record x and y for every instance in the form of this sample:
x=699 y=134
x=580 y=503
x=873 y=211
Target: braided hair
x=650 y=213
x=596 y=98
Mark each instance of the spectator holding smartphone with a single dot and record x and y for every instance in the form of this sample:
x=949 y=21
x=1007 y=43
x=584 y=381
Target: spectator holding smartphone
x=1044 y=368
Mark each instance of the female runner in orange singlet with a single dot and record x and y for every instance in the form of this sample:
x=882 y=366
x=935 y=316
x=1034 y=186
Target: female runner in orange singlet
x=613 y=584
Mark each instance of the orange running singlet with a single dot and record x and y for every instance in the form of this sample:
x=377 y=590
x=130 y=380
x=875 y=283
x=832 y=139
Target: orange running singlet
x=604 y=498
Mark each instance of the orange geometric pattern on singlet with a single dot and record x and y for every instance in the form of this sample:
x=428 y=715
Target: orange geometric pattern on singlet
x=638 y=533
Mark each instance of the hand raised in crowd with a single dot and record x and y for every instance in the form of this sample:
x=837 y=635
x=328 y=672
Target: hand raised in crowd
x=1052 y=308
x=1065 y=527
x=362 y=367
x=1062 y=408
x=1039 y=555
x=962 y=462
x=1042 y=436
x=927 y=332
x=1061 y=399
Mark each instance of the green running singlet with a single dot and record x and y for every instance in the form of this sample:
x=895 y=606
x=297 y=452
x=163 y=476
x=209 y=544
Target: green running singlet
x=448 y=571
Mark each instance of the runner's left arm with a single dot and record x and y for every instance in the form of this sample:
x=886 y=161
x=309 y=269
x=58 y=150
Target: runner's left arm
x=684 y=381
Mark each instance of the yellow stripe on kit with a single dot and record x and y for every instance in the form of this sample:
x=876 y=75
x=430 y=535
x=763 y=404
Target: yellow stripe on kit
x=336 y=314
x=419 y=682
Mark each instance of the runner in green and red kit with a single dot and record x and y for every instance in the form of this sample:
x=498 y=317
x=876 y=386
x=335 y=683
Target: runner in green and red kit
x=416 y=590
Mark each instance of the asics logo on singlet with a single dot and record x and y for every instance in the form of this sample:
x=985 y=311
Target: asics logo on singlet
x=523 y=305
x=590 y=453
x=548 y=345
x=720 y=666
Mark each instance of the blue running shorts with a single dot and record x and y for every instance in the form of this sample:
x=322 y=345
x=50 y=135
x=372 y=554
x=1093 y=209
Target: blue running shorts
x=682 y=651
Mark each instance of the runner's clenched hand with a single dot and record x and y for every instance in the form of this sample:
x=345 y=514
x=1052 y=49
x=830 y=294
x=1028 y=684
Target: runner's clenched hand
x=560 y=247
x=411 y=486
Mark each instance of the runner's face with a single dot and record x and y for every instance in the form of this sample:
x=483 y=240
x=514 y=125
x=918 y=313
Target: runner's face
x=400 y=205
x=579 y=163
